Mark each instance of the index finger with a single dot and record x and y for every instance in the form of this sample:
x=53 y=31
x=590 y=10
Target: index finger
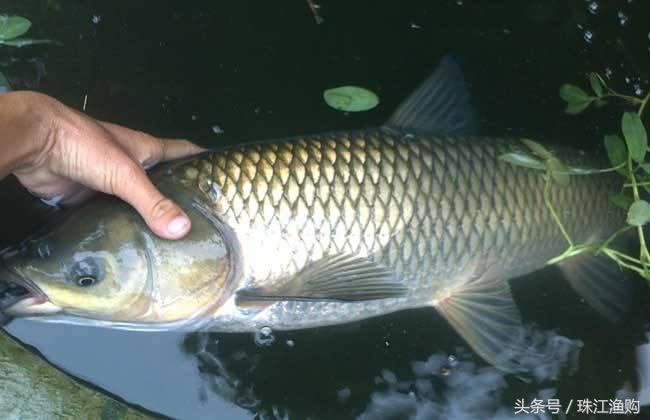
x=149 y=150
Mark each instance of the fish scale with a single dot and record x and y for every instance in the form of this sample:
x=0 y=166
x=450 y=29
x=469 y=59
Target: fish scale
x=425 y=207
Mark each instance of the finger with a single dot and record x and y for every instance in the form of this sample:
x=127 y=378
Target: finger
x=164 y=217
x=176 y=149
x=147 y=149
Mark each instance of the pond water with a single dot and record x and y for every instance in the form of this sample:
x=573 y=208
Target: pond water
x=229 y=72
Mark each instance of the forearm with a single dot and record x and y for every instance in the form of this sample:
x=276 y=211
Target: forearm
x=20 y=129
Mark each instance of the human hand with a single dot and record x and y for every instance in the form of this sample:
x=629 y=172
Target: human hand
x=62 y=155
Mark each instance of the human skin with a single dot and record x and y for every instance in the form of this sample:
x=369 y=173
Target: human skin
x=62 y=154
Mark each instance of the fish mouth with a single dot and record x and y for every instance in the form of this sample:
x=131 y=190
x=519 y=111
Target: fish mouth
x=20 y=296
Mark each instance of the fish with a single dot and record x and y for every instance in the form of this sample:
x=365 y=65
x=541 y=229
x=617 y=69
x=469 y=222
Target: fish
x=336 y=227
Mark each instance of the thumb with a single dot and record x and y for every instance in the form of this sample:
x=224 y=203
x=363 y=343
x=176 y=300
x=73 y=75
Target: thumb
x=164 y=217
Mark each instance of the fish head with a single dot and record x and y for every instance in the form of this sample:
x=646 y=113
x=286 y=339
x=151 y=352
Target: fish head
x=102 y=263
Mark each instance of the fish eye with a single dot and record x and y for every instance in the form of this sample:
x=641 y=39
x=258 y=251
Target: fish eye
x=85 y=281
x=87 y=271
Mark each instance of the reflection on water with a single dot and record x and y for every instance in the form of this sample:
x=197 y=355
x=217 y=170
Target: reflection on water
x=442 y=386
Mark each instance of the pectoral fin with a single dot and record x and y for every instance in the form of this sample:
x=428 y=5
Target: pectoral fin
x=338 y=278
x=485 y=315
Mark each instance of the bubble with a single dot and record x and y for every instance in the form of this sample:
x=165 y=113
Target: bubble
x=622 y=18
x=97 y=19
x=637 y=90
x=217 y=130
x=290 y=343
x=343 y=394
x=452 y=360
x=264 y=336
x=593 y=7
x=588 y=36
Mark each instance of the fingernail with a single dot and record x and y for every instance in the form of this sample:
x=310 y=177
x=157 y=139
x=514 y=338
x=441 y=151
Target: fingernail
x=178 y=224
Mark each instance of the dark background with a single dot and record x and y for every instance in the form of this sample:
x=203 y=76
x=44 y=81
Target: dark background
x=257 y=69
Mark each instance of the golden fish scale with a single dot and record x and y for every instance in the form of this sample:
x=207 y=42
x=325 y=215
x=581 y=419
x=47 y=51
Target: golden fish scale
x=434 y=209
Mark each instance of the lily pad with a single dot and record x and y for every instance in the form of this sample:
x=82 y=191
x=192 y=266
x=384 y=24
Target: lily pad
x=13 y=26
x=350 y=98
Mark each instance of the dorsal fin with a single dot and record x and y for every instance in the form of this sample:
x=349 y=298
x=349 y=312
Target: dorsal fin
x=441 y=105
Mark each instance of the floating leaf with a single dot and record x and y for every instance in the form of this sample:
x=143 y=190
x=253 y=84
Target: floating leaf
x=621 y=200
x=537 y=148
x=616 y=151
x=350 y=98
x=13 y=26
x=576 y=107
x=4 y=84
x=573 y=94
x=559 y=171
x=24 y=42
x=639 y=213
x=635 y=135
x=523 y=159
x=597 y=87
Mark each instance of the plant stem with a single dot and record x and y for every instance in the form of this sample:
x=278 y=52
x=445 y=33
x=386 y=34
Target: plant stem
x=643 y=104
x=549 y=205
x=645 y=257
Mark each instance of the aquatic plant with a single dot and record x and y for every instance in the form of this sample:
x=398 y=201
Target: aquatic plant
x=12 y=28
x=628 y=157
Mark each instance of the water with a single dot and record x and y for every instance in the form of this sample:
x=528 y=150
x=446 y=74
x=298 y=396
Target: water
x=226 y=73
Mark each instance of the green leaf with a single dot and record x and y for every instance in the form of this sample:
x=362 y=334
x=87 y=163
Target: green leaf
x=24 y=42
x=635 y=135
x=537 y=148
x=639 y=213
x=576 y=107
x=350 y=98
x=646 y=167
x=596 y=86
x=573 y=94
x=13 y=26
x=616 y=152
x=523 y=159
x=621 y=200
x=559 y=172
x=4 y=84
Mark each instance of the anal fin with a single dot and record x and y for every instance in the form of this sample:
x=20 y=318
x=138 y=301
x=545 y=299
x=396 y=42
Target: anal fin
x=341 y=277
x=484 y=313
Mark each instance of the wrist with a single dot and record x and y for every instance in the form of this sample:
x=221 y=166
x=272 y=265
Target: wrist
x=23 y=130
